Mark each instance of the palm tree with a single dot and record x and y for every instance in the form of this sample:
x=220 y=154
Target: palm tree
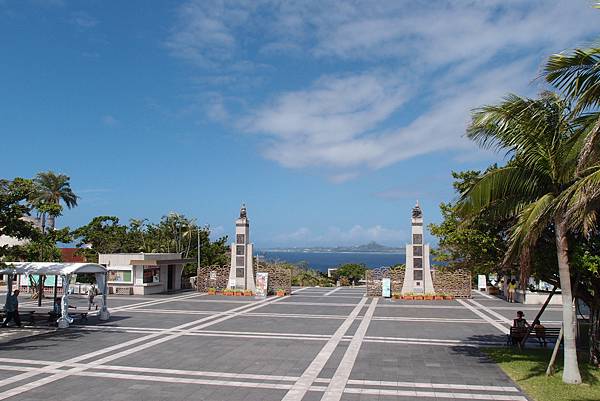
x=540 y=137
x=578 y=76
x=51 y=189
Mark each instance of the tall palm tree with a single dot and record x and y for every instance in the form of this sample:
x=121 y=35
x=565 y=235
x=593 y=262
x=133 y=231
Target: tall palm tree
x=51 y=189
x=540 y=137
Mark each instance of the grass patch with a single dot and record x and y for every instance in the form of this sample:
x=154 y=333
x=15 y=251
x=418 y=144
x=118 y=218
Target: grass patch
x=528 y=370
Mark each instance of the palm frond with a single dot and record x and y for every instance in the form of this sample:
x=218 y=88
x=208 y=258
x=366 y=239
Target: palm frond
x=578 y=75
x=506 y=187
x=532 y=221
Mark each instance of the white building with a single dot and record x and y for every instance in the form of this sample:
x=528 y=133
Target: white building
x=143 y=273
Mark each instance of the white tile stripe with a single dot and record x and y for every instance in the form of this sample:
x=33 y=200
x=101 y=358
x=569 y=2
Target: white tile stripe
x=483 y=294
x=434 y=394
x=46 y=380
x=363 y=383
x=503 y=329
x=342 y=374
x=491 y=312
x=333 y=291
x=299 y=389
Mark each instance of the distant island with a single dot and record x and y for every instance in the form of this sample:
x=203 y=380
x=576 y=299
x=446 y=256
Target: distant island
x=371 y=247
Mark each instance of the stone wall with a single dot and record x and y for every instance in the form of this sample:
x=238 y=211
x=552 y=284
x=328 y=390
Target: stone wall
x=212 y=277
x=452 y=282
x=279 y=277
x=218 y=277
x=374 y=277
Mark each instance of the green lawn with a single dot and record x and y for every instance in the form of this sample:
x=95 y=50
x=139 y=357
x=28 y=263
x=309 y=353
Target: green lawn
x=528 y=370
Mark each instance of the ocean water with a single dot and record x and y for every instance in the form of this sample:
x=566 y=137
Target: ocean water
x=324 y=260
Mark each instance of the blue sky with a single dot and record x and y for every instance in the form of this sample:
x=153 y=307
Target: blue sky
x=329 y=119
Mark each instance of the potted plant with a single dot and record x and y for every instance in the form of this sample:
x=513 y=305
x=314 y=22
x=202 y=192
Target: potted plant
x=418 y=297
x=228 y=292
x=409 y=296
x=448 y=297
x=212 y=291
x=247 y=293
x=396 y=295
x=428 y=296
x=438 y=297
x=280 y=292
x=239 y=293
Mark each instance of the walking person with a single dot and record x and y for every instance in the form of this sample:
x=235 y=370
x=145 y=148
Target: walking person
x=91 y=294
x=512 y=289
x=12 y=309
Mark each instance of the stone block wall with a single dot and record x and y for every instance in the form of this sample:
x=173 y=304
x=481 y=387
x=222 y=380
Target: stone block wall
x=279 y=277
x=212 y=277
x=374 y=277
x=453 y=282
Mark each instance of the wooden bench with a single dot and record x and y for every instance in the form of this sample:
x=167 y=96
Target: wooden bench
x=518 y=333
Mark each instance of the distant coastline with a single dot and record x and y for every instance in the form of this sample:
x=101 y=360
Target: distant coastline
x=371 y=247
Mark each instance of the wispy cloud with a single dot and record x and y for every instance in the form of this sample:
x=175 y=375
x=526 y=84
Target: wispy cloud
x=109 y=120
x=401 y=79
x=83 y=20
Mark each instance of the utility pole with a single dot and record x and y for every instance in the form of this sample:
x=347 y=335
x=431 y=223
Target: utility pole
x=198 y=246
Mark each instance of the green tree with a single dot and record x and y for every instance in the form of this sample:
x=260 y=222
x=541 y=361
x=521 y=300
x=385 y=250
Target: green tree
x=50 y=190
x=14 y=195
x=478 y=243
x=105 y=235
x=539 y=134
x=351 y=271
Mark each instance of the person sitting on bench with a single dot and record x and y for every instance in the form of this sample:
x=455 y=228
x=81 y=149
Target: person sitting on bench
x=540 y=332
x=521 y=325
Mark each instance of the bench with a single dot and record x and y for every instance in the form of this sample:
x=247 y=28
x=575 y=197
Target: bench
x=82 y=317
x=518 y=333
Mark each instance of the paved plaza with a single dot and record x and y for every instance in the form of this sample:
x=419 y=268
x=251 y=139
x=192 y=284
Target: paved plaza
x=318 y=344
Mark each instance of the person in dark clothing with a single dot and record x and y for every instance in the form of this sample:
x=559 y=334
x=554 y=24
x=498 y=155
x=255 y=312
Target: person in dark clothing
x=12 y=309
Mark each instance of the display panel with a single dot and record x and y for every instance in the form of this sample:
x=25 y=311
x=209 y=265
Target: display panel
x=417 y=238
x=239 y=272
x=418 y=250
x=119 y=276
x=240 y=238
x=239 y=250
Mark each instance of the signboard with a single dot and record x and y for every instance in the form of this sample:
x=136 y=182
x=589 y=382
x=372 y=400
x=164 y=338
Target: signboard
x=481 y=282
x=262 y=281
x=386 y=287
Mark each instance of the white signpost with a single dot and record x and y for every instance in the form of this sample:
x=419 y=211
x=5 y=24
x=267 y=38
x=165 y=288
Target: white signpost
x=386 y=285
x=481 y=282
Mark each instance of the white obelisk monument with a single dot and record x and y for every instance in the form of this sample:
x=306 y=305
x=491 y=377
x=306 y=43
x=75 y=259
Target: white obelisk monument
x=241 y=272
x=417 y=277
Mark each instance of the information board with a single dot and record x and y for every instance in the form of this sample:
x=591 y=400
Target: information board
x=386 y=287
x=262 y=281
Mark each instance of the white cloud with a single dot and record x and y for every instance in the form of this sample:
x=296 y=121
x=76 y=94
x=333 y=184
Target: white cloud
x=401 y=78
x=109 y=120
x=336 y=236
x=83 y=20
